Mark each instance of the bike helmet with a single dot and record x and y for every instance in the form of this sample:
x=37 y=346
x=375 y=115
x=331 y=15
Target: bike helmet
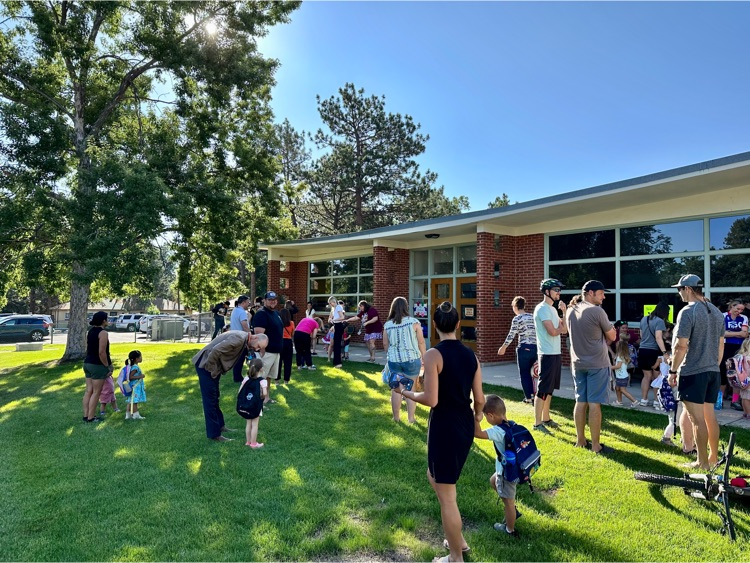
x=549 y=283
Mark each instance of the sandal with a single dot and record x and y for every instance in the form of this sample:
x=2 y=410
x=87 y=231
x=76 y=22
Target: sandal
x=604 y=450
x=466 y=549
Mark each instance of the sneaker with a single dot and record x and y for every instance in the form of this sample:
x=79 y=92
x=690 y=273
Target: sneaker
x=737 y=406
x=644 y=403
x=256 y=445
x=635 y=404
x=127 y=415
x=658 y=407
x=116 y=410
x=551 y=423
x=137 y=416
x=102 y=413
x=668 y=442
x=542 y=428
x=617 y=403
x=501 y=527
x=311 y=367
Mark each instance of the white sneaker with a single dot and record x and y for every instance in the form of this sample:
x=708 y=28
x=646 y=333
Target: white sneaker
x=127 y=415
x=617 y=403
x=657 y=406
x=312 y=367
x=644 y=403
x=137 y=416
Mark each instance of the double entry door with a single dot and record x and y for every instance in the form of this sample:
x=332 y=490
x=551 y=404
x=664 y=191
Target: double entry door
x=462 y=292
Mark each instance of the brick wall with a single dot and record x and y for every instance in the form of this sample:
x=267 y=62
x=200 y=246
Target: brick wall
x=391 y=278
x=274 y=275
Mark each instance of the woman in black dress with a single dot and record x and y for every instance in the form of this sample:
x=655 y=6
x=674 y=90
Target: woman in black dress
x=451 y=374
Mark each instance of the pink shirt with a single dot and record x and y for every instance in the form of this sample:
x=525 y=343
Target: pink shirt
x=307 y=325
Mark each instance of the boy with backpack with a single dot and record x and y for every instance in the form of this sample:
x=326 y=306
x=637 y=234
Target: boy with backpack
x=517 y=458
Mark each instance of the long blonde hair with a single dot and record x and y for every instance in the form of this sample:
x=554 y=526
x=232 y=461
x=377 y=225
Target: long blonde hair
x=622 y=351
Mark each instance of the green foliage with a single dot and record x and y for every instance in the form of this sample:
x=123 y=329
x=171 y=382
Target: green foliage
x=102 y=157
x=499 y=201
x=336 y=480
x=368 y=176
x=152 y=309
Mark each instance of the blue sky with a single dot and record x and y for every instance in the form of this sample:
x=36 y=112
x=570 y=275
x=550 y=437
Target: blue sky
x=531 y=98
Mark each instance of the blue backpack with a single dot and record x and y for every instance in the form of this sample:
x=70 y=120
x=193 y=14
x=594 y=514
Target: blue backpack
x=123 y=382
x=521 y=454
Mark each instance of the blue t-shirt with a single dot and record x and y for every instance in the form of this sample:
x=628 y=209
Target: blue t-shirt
x=235 y=321
x=546 y=344
x=734 y=325
x=497 y=435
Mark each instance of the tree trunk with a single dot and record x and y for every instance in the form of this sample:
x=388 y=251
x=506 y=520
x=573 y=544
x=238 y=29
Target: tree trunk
x=253 y=286
x=75 y=349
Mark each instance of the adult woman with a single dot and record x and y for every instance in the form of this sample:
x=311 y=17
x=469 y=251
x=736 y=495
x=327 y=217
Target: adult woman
x=404 y=347
x=735 y=327
x=370 y=319
x=310 y=314
x=523 y=326
x=452 y=375
x=337 y=318
x=97 y=366
x=652 y=346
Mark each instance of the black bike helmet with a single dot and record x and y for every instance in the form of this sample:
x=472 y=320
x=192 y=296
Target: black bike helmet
x=549 y=283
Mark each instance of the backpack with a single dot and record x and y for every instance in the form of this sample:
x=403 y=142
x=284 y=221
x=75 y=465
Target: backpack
x=123 y=382
x=528 y=458
x=666 y=396
x=250 y=399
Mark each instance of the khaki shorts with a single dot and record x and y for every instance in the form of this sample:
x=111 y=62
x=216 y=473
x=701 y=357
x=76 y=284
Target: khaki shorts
x=270 y=365
x=505 y=489
x=96 y=371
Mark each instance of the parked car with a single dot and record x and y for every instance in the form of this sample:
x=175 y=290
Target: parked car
x=147 y=321
x=130 y=322
x=24 y=327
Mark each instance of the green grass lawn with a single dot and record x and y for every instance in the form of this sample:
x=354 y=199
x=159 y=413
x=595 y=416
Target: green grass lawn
x=337 y=480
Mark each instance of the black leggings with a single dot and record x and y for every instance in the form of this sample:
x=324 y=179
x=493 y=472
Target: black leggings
x=286 y=360
x=338 y=334
x=302 y=343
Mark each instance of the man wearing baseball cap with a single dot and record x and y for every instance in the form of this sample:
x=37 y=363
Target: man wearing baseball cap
x=697 y=347
x=267 y=321
x=590 y=334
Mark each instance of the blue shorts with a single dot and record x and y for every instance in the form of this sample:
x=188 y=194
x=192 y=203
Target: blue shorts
x=409 y=369
x=591 y=385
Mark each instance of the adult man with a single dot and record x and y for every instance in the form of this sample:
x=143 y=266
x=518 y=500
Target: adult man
x=238 y=319
x=697 y=347
x=590 y=334
x=293 y=309
x=549 y=326
x=216 y=358
x=220 y=312
x=267 y=321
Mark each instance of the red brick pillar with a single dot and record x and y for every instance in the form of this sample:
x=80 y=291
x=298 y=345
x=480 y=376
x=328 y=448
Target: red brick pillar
x=274 y=275
x=391 y=273
x=495 y=255
x=296 y=289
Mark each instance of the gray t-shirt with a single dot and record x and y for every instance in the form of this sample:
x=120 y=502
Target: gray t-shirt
x=587 y=324
x=649 y=326
x=703 y=325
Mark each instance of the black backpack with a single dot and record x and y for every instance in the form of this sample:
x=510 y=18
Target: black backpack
x=250 y=399
x=518 y=439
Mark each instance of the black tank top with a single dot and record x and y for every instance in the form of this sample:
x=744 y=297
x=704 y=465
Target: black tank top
x=457 y=376
x=92 y=347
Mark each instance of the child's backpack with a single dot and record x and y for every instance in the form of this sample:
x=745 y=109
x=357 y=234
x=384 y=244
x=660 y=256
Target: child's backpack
x=250 y=399
x=123 y=382
x=519 y=441
x=666 y=396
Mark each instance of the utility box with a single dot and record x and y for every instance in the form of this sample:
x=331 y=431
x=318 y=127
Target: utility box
x=166 y=329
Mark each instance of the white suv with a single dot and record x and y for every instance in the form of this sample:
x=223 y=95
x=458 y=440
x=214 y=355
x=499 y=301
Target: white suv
x=128 y=322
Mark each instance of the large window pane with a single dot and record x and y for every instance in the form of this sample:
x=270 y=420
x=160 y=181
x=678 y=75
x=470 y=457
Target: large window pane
x=368 y=297
x=596 y=244
x=366 y=265
x=729 y=232
x=350 y=303
x=344 y=285
x=575 y=275
x=721 y=300
x=421 y=263
x=634 y=305
x=320 y=286
x=366 y=284
x=345 y=267
x=467 y=259
x=320 y=269
x=320 y=304
x=730 y=270
x=662 y=239
x=658 y=273
x=442 y=259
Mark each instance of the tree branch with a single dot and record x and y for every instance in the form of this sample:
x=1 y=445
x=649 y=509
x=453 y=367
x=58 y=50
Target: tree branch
x=33 y=88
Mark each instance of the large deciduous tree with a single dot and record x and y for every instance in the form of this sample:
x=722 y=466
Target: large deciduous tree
x=92 y=162
x=368 y=175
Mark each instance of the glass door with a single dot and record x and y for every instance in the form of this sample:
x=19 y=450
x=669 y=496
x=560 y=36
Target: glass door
x=440 y=290
x=466 y=304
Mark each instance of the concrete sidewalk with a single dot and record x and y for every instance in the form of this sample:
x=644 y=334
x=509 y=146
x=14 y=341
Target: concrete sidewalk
x=506 y=374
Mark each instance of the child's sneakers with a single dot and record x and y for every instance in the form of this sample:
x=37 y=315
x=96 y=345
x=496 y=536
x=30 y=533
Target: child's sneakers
x=501 y=527
x=256 y=445
x=127 y=415
x=644 y=403
x=668 y=442
x=635 y=405
x=137 y=416
x=311 y=367
x=617 y=403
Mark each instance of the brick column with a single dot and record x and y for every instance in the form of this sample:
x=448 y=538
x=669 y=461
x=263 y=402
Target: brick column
x=274 y=275
x=296 y=274
x=391 y=273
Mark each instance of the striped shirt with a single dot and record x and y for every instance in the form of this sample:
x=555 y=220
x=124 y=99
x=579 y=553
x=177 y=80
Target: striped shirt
x=402 y=341
x=523 y=326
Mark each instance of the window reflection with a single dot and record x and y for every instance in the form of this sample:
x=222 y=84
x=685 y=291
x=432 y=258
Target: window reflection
x=730 y=270
x=657 y=273
x=443 y=259
x=632 y=304
x=420 y=263
x=575 y=275
x=662 y=239
x=467 y=259
x=729 y=232
x=595 y=244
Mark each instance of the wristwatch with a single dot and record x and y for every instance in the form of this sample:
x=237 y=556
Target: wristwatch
x=672 y=372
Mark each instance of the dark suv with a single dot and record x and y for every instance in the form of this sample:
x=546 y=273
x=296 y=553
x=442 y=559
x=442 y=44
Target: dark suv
x=20 y=327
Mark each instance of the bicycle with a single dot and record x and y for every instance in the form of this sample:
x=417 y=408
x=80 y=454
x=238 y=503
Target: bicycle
x=710 y=487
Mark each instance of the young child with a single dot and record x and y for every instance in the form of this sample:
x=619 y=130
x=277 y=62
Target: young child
x=287 y=351
x=345 y=343
x=327 y=341
x=622 y=377
x=267 y=361
x=136 y=380
x=494 y=413
x=259 y=387
x=108 y=397
x=742 y=366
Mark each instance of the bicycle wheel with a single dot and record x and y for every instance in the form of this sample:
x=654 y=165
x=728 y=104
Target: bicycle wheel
x=670 y=481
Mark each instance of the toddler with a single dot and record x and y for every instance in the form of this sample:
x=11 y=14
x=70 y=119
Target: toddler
x=108 y=397
x=741 y=381
x=494 y=413
x=136 y=380
x=327 y=341
x=345 y=343
x=622 y=377
x=253 y=386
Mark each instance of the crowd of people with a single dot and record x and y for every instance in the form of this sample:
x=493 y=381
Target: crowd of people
x=451 y=376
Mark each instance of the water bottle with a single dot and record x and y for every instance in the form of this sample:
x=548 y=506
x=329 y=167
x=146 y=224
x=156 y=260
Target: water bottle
x=511 y=470
x=719 y=401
